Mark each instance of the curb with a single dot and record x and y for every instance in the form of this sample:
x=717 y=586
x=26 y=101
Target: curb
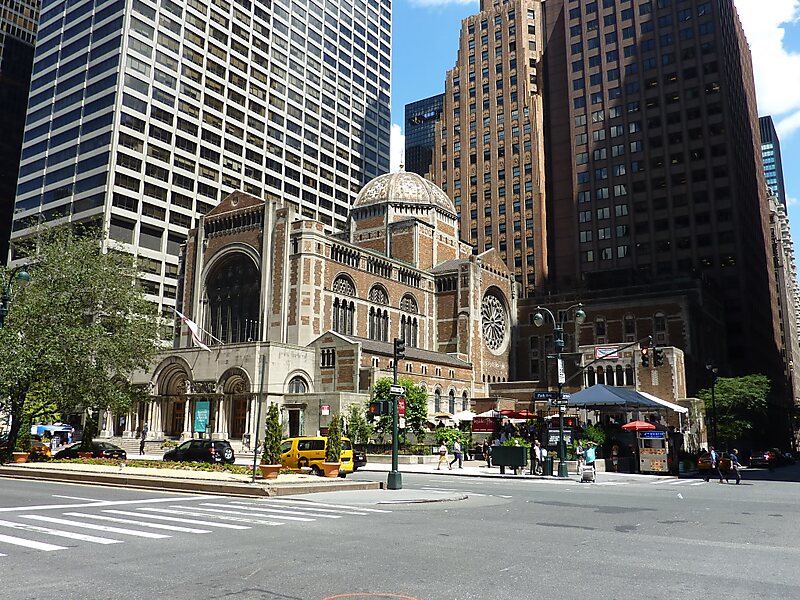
x=477 y=475
x=184 y=485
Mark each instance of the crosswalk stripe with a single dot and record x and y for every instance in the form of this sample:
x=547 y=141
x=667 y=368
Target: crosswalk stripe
x=279 y=511
x=192 y=513
x=238 y=514
x=58 y=533
x=429 y=487
x=133 y=532
x=314 y=508
x=139 y=523
x=699 y=483
x=10 y=539
x=324 y=504
x=679 y=482
x=180 y=520
x=656 y=482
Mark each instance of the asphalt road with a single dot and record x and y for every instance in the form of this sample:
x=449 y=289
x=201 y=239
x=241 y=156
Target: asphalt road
x=621 y=538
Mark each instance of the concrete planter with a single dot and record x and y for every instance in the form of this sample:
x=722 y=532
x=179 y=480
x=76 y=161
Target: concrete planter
x=20 y=457
x=270 y=471
x=330 y=469
x=85 y=455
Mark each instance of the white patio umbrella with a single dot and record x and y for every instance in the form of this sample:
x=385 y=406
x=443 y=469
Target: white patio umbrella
x=464 y=415
x=489 y=413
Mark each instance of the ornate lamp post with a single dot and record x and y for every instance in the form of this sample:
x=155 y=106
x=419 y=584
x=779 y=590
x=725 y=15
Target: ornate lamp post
x=713 y=370
x=6 y=287
x=558 y=342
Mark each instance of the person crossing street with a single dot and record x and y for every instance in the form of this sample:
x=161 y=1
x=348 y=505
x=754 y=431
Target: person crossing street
x=458 y=455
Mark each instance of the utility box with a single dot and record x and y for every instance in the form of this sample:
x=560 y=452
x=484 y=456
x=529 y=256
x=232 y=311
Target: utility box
x=515 y=457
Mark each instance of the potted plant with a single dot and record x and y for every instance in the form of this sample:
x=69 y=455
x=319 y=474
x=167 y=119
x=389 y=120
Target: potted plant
x=333 y=447
x=271 y=456
x=22 y=447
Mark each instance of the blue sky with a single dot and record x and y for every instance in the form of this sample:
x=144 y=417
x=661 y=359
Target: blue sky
x=426 y=39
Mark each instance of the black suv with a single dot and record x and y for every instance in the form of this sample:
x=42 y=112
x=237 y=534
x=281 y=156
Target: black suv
x=213 y=451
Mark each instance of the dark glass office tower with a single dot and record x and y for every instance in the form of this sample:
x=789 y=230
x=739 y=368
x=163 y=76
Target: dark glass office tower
x=654 y=160
x=771 y=156
x=18 y=20
x=420 y=127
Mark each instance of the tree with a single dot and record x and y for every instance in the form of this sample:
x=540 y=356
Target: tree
x=273 y=433
x=333 y=449
x=741 y=404
x=358 y=428
x=75 y=331
x=416 y=404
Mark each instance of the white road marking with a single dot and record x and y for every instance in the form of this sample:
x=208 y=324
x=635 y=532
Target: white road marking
x=280 y=513
x=144 y=534
x=502 y=496
x=325 y=504
x=58 y=533
x=139 y=523
x=103 y=503
x=193 y=513
x=428 y=487
x=179 y=520
x=78 y=498
x=314 y=508
x=698 y=483
x=679 y=481
x=9 y=539
x=238 y=514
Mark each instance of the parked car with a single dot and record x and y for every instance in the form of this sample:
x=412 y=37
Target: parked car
x=764 y=458
x=359 y=460
x=99 y=450
x=212 y=451
x=37 y=446
x=309 y=451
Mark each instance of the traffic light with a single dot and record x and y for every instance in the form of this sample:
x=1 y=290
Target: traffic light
x=379 y=408
x=645 y=356
x=399 y=348
x=658 y=356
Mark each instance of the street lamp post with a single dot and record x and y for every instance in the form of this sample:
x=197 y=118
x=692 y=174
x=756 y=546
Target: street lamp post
x=713 y=370
x=6 y=287
x=558 y=342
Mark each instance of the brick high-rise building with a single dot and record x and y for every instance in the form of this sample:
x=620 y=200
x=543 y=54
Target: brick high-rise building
x=488 y=154
x=18 y=20
x=654 y=160
x=142 y=114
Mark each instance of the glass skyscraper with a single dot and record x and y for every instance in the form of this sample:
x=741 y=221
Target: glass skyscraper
x=771 y=157
x=420 y=130
x=143 y=115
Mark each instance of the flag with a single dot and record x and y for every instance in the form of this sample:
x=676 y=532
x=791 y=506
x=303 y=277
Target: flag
x=194 y=330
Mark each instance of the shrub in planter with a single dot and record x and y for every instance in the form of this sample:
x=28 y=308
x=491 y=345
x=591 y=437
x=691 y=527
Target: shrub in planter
x=333 y=449
x=271 y=456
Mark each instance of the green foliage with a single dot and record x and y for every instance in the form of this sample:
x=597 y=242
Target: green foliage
x=595 y=433
x=741 y=406
x=416 y=406
x=517 y=441
x=333 y=449
x=380 y=391
x=75 y=331
x=358 y=428
x=167 y=444
x=273 y=432
x=448 y=436
x=23 y=442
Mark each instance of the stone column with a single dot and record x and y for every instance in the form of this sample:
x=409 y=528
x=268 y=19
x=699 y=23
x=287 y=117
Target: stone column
x=187 y=421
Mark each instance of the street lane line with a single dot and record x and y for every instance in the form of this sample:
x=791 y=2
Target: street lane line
x=78 y=498
x=698 y=483
x=325 y=504
x=314 y=508
x=237 y=514
x=139 y=523
x=144 y=534
x=280 y=513
x=10 y=539
x=179 y=519
x=193 y=513
x=103 y=503
x=58 y=533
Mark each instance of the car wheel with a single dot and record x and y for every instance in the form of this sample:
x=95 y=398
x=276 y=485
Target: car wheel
x=316 y=470
x=228 y=453
x=342 y=474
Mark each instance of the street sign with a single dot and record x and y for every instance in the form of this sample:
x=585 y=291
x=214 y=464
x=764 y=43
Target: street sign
x=401 y=407
x=325 y=410
x=562 y=377
x=545 y=395
x=553 y=437
x=397 y=390
x=606 y=352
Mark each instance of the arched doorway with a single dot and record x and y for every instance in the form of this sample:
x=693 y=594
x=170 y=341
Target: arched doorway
x=236 y=388
x=171 y=388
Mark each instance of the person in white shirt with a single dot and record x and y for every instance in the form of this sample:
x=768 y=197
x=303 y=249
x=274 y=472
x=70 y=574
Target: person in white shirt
x=457 y=456
x=442 y=456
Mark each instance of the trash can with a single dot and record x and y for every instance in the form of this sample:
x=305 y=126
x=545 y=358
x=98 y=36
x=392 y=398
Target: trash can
x=548 y=466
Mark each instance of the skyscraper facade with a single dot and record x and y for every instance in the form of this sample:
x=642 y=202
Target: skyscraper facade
x=143 y=114
x=18 y=20
x=488 y=155
x=420 y=129
x=654 y=170
x=771 y=157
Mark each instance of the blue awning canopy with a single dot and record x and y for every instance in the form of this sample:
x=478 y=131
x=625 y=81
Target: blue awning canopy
x=602 y=396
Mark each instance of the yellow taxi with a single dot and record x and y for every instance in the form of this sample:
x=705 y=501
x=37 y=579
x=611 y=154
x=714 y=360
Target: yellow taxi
x=309 y=451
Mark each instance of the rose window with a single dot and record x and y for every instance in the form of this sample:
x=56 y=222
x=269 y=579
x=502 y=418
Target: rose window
x=493 y=321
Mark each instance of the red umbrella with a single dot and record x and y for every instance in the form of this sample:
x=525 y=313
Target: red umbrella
x=524 y=414
x=638 y=426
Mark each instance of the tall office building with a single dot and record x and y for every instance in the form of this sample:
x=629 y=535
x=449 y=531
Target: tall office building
x=771 y=157
x=18 y=20
x=143 y=114
x=420 y=132
x=488 y=155
x=654 y=169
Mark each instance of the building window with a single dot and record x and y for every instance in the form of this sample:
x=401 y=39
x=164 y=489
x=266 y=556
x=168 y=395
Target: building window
x=451 y=403
x=328 y=357
x=297 y=385
x=343 y=315
x=437 y=401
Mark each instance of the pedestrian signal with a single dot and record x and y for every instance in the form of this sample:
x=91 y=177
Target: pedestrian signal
x=379 y=409
x=658 y=356
x=645 y=357
x=399 y=348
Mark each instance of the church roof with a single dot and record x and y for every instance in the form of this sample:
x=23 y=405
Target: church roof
x=378 y=347
x=405 y=188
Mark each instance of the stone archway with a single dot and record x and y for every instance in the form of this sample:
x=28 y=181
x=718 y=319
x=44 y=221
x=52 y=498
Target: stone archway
x=237 y=403
x=170 y=402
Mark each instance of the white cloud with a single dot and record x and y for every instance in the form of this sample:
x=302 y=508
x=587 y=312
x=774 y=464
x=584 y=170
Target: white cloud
x=776 y=70
x=791 y=201
x=397 y=147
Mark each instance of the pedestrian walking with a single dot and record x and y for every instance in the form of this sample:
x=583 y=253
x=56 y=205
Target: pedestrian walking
x=487 y=453
x=458 y=455
x=714 y=463
x=142 y=438
x=591 y=453
x=536 y=458
x=615 y=457
x=442 y=456
x=736 y=466
x=581 y=453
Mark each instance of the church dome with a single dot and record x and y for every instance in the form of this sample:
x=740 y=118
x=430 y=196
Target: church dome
x=403 y=187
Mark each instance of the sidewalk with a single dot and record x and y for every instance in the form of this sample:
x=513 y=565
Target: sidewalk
x=472 y=468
